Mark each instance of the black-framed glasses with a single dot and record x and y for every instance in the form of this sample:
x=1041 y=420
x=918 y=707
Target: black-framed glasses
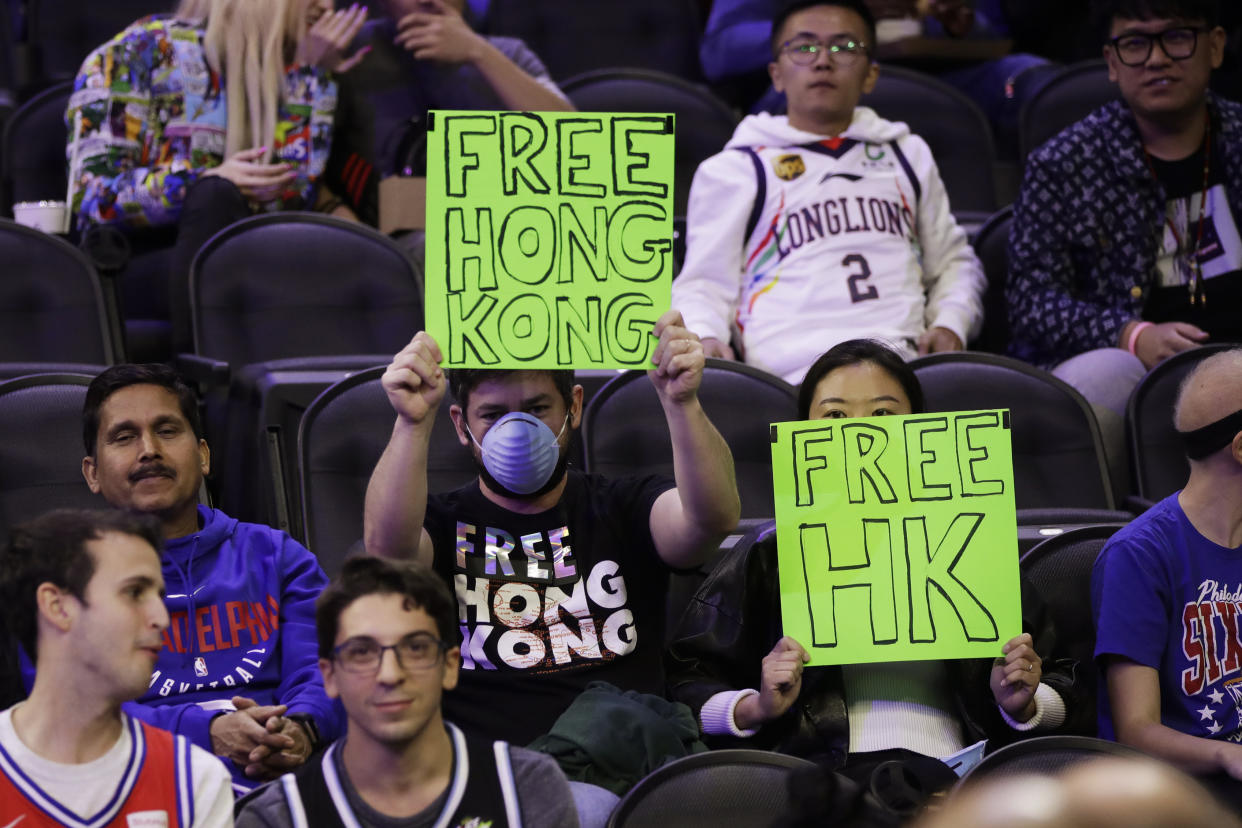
x=1178 y=43
x=843 y=49
x=417 y=651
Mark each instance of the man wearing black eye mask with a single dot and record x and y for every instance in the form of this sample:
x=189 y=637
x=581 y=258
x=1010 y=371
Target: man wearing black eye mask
x=1167 y=597
x=560 y=577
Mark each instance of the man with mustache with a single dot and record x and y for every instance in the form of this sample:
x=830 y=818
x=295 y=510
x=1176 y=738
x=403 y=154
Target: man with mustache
x=237 y=674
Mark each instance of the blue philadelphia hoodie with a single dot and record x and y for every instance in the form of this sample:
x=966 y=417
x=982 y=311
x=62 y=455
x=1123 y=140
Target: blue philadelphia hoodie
x=241 y=601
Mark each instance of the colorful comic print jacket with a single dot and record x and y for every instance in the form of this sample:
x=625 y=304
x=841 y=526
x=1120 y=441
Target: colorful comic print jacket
x=152 y=117
x=1084 y=242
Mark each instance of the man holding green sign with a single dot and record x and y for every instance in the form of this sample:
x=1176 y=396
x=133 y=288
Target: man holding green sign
x=898 y=587
x=548 y=249
x=560 y=577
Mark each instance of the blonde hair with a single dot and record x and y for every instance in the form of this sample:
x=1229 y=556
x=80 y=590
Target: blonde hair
x=245 y=42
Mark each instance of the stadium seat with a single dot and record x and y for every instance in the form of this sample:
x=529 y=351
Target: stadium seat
x=40 y=469
x=289 y=286
x=713 y=789
x=624 y=430
x=33 y=154
x=41 y=447
x=1158 y=461
x=991 y=244
x=343 y=434
x=1060 y=570
x=1046 y=756
x=953 y=126
x=572 y=37
x=54 y=313
x=1058 y=457
x=1073 y=94
x=704 y=122
x=61 y=33
x=266 y=407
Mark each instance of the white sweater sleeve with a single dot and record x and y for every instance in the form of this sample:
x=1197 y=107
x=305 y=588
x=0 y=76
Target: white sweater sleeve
x=213 y=790
x=952 y=274
x=721 y=199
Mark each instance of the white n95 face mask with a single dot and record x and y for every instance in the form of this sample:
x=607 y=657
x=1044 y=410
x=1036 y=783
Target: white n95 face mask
x=520 y=452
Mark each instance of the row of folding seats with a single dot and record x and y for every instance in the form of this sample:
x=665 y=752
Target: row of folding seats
x=740 y=786
x=319 y=481
x=954 y=127
x=61 y=310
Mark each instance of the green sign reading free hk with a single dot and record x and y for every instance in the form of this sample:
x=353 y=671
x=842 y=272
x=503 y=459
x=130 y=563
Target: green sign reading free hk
x=549 y=237
x=897 y=536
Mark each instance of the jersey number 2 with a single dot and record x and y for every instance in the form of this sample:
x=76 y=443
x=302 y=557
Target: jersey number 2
x=858 y=291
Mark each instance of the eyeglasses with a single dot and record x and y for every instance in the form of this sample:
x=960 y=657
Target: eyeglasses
x=1178 y=43
x=844 y=50
x=417 y=651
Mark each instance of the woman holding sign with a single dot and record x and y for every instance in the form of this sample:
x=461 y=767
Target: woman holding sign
x=746 y=681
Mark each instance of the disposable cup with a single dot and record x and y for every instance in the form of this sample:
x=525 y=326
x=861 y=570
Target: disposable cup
x=48 y=216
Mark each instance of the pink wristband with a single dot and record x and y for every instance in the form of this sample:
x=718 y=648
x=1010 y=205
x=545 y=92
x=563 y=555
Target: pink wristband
x=1134 y=335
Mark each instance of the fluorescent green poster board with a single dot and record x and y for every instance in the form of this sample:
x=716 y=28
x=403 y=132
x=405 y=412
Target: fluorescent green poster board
x=549 y=237
x=897 y=536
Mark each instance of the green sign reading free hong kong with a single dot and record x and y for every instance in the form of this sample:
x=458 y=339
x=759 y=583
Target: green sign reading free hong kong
x=897 y=536
x=549 y=237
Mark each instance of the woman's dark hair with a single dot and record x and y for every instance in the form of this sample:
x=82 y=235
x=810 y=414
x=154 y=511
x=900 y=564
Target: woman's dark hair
x=855 y=352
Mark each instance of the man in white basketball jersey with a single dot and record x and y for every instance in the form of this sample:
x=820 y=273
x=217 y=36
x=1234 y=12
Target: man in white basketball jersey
x=83 y=594
x=827 y=224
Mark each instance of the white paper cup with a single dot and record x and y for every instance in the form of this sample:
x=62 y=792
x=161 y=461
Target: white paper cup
x=48 y=216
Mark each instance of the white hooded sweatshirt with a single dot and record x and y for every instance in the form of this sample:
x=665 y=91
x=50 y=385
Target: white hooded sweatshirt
x=802 y=242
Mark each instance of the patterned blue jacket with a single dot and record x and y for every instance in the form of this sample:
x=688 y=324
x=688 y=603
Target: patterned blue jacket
x=1087 y=222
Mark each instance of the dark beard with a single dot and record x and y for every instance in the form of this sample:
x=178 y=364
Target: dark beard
x=558 y=473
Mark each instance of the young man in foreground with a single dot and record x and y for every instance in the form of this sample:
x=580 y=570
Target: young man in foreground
x=83 y=593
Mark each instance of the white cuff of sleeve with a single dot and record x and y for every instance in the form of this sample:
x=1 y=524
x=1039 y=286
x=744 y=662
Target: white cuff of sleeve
x=1049 y=711
x=716 y=716
x=958 y=323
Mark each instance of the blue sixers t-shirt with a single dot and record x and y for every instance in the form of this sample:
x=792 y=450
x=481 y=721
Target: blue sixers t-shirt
x=1167 y=597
